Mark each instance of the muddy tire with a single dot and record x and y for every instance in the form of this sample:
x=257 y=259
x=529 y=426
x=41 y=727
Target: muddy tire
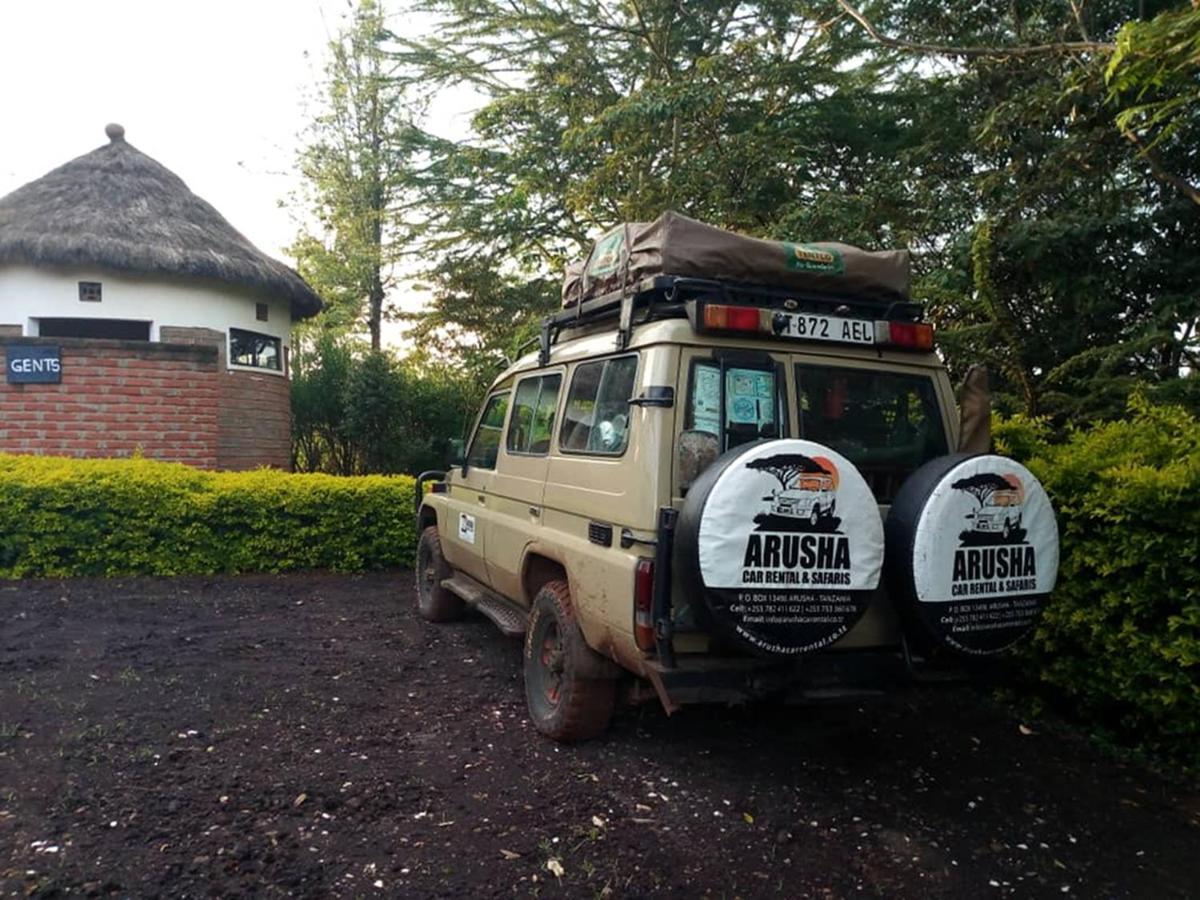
x=434 y=602
x=564 y=703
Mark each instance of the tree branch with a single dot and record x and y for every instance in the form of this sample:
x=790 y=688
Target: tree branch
x=943 y=50
x=1156 y=168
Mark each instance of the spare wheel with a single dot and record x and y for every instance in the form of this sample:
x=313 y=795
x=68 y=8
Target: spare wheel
x=781 y=541
x=972 y=553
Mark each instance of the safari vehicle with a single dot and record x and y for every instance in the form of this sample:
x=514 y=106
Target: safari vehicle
x=812 y=498
x=1001 y=514
x=681 y=492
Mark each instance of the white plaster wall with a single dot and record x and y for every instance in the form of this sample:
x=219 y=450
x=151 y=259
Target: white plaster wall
x=28 y=294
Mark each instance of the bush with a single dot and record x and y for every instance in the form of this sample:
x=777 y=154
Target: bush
x=356 y=412
x=67 y=517
x=1120 y=640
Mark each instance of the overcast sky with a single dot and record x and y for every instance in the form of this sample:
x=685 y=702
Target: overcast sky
x=215 y=90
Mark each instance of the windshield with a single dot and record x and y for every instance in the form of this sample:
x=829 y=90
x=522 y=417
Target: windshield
x=887 y=423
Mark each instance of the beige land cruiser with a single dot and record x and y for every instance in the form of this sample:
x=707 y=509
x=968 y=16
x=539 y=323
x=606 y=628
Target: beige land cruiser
x=732 y=469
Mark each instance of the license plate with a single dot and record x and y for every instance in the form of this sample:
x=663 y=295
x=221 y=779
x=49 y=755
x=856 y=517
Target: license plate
x=814 y=327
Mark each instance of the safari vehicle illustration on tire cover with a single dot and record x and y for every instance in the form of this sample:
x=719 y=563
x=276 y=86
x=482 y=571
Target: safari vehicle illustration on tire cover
x=1000 y=499
x=711 y=481
x=807 y=495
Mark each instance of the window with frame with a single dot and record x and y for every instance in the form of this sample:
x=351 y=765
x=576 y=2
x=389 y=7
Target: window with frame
x=532 y=423
x=887 y=423
x=485 y=445
x=259 y=351
x=596 y=417
x=738 y=401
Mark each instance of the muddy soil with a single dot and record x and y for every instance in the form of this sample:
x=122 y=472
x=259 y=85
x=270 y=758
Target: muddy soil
x=309 y=736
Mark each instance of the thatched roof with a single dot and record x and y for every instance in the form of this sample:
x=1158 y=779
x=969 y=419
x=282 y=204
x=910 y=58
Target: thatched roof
x=117 y=208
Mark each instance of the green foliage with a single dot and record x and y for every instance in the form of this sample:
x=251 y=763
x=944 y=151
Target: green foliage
x=1120 y=640
x=481 y=319
x=1045 y=244
x=66 y=518
x=1020 y=437
x=354 y=167
x=1152 y=76
x=363 y=412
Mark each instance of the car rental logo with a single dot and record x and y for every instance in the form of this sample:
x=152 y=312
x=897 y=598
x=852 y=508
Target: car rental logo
x=797 y=539
x=993 y=556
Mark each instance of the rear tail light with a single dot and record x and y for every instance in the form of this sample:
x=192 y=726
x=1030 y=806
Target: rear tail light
x=908 y=335
x=722 y=317
x=643 y=603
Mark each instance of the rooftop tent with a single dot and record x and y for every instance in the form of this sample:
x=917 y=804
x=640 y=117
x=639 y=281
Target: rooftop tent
x=119 y=209
x=676 y=245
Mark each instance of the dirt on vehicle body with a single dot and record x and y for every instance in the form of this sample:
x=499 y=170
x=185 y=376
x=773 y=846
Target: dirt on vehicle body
x=684 y=491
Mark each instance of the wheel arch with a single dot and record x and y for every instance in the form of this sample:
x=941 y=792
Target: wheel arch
x=539 y=566
x=426 y=516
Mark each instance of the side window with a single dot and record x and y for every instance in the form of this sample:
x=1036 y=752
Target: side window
x=737 y=403
x=485 y=446
x=532 y=421
x=596 y=419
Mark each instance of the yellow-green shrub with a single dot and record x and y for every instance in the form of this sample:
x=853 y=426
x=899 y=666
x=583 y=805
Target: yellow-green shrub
x=1120 y=640
x=68 y=517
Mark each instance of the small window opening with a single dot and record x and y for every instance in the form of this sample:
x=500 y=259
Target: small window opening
x=89 y=291
x=108 y=329
x=260 y=311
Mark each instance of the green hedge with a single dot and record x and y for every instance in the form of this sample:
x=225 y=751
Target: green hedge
x=68 y=517
x=1120 y=641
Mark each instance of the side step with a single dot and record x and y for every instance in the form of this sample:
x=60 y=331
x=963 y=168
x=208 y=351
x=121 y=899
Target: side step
x=505 y=615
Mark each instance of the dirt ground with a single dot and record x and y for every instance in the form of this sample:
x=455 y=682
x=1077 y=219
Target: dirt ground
x=310 y=736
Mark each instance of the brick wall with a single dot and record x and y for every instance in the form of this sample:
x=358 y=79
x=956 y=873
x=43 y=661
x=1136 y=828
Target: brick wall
x=10 y=331
x=115 y=397
x=254 y=410
x=256 y=421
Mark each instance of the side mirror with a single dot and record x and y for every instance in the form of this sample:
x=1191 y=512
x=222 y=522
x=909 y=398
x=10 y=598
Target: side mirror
x=695 y=453
x=457 y=454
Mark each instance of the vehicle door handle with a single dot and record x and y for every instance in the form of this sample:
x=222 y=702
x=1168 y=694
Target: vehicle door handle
x=483 y=498
x=534 y=511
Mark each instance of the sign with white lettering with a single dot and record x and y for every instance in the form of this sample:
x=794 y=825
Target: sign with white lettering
x=26 y=364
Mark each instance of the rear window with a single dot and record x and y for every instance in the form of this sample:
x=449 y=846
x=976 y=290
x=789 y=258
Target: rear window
x=737 y=402
x=887 y=424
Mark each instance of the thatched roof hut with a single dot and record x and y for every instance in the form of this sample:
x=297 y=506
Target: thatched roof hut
x=119 y=209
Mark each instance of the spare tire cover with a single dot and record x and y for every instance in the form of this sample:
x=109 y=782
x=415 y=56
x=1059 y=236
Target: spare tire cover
x=972 y=552
x=783 y=542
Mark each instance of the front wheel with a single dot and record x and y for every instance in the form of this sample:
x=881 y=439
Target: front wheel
x=564 y=704
x=434 y=602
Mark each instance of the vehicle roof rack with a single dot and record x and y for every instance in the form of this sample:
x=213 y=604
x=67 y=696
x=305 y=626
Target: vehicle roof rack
x=667 y=296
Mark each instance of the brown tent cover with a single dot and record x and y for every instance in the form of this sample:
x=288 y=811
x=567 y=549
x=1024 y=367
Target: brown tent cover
x=676 y=245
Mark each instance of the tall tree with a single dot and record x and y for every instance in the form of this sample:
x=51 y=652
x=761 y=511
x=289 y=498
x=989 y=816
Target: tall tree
x=354 y=166
x=989 y=139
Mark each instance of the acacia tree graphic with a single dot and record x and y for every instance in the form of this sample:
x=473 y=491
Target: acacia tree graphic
x=787 y=467
x=982 y=486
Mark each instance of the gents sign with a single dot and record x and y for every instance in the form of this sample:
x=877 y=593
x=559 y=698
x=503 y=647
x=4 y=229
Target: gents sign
x=24 y=364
